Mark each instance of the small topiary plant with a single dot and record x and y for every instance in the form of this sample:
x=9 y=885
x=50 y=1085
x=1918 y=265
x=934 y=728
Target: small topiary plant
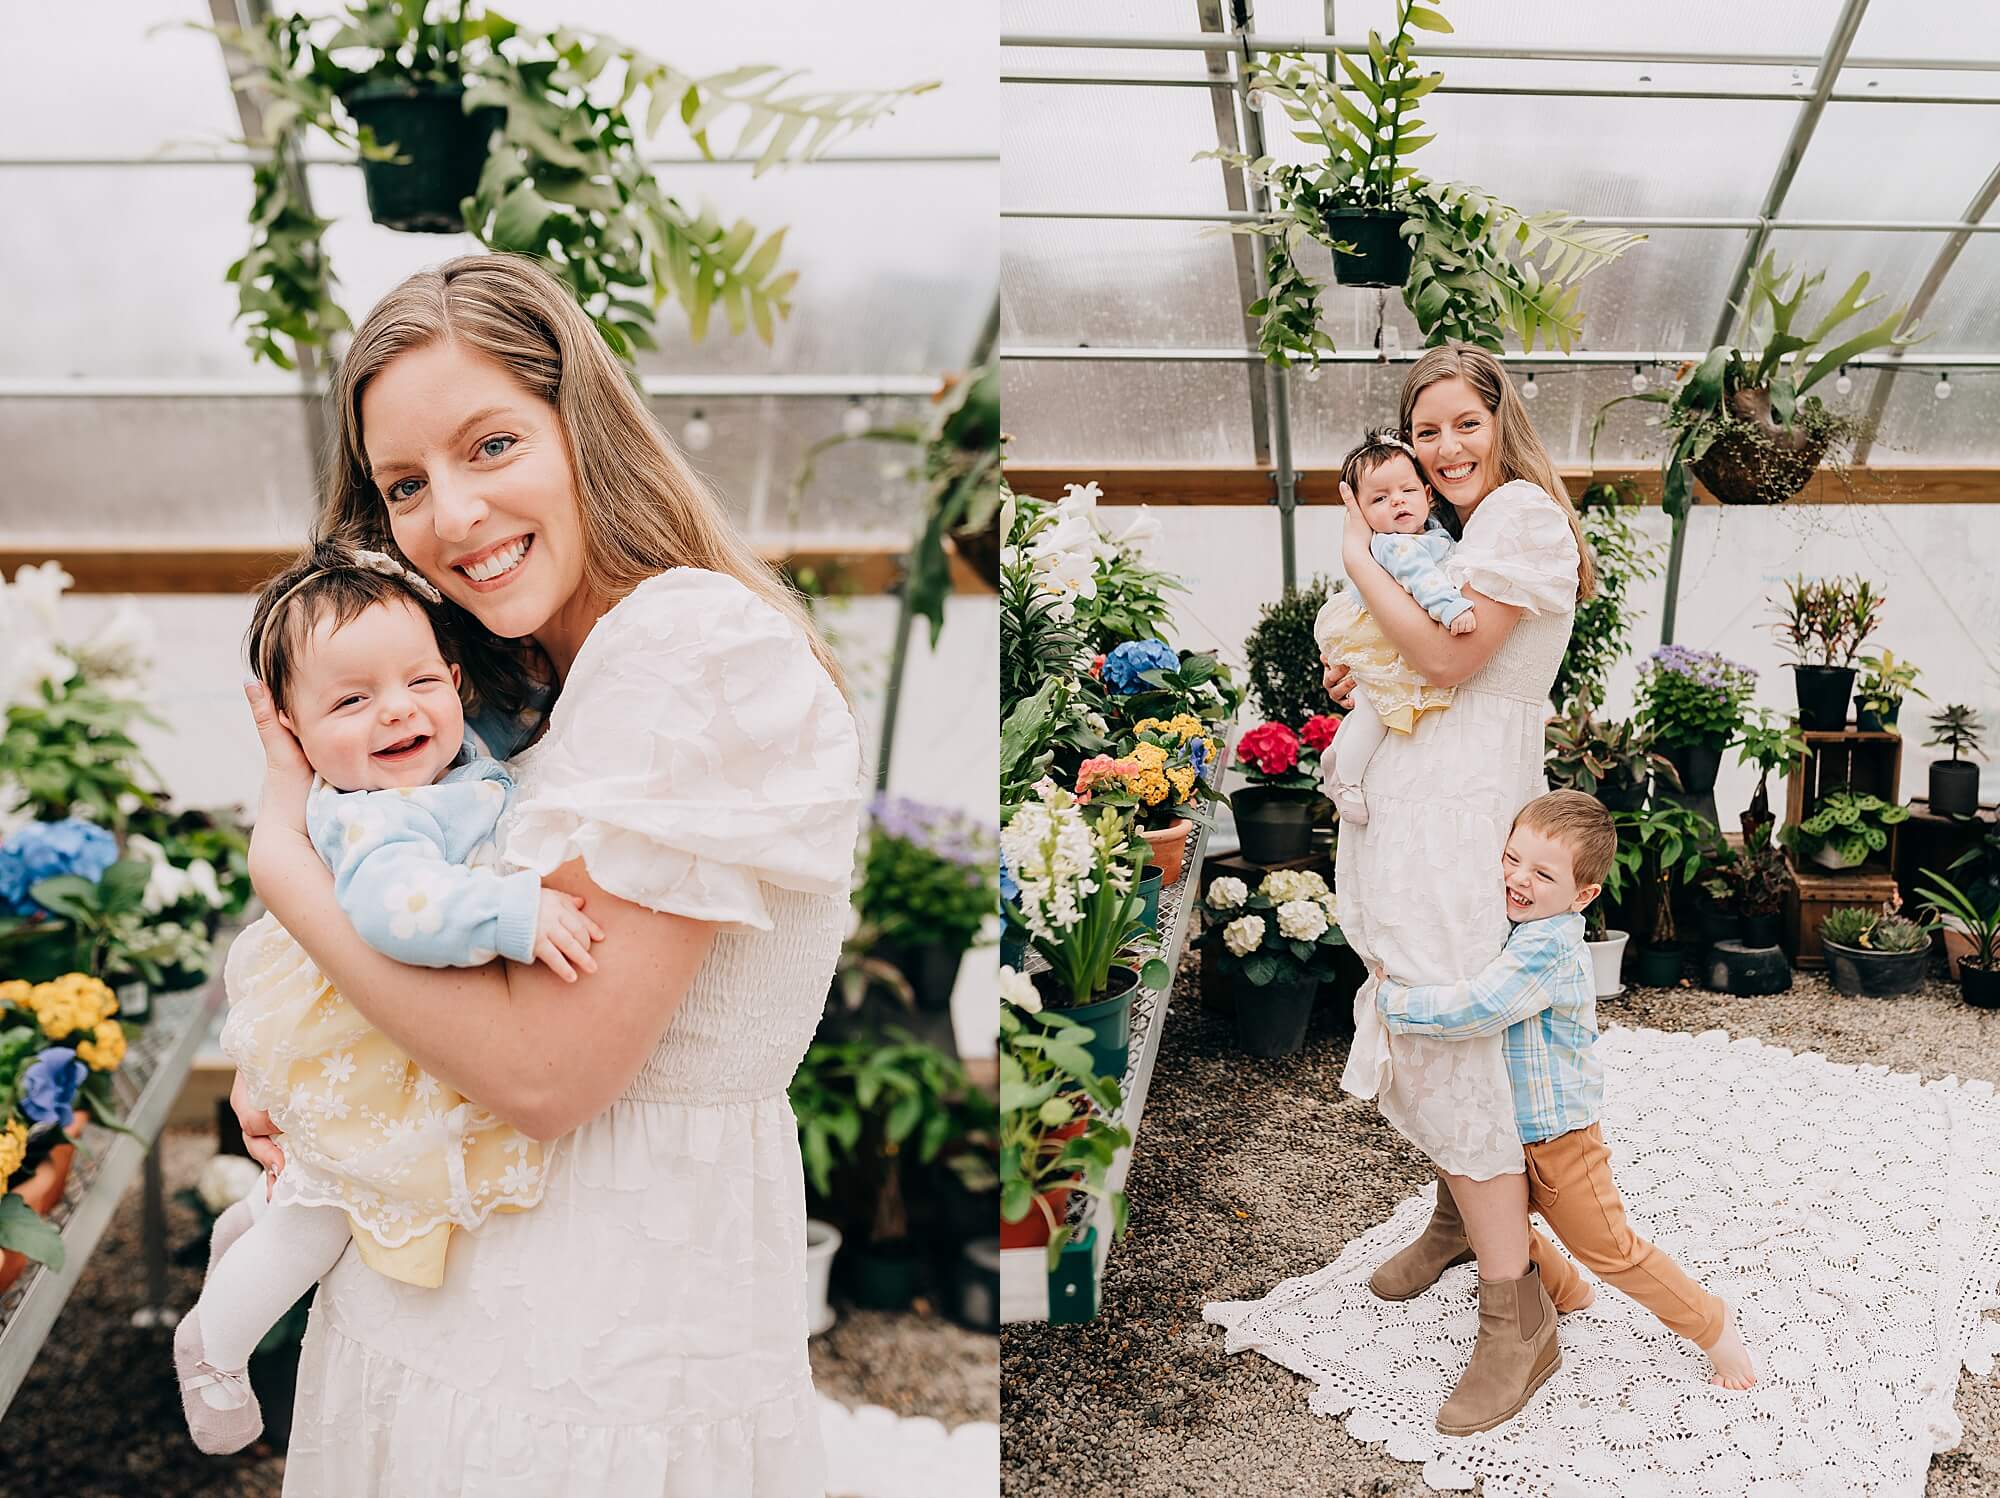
x=1286 y=674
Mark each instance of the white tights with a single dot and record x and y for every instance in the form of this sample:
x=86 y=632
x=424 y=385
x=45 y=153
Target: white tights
x=287 y=1249
x=1361 y=734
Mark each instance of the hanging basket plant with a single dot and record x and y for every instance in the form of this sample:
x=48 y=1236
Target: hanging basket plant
x=1471 y=269
x=529 y=141
x=1744 y=423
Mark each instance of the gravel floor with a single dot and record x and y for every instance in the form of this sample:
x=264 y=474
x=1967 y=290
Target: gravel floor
x=99 y=1415
x=1249 y=1172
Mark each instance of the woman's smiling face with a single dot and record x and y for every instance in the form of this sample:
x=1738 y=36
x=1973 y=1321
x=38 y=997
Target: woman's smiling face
x=475 y=476
x=1452 y=431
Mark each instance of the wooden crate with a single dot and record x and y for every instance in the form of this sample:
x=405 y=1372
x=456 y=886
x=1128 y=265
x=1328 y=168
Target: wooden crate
x=1816 y=892
x=1928 y=841
x=1867 y=763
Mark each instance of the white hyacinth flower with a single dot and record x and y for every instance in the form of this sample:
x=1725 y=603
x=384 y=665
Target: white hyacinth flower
x=1244 y=935
x=1019 y=990
x=1301 y=920
x=1227 y=893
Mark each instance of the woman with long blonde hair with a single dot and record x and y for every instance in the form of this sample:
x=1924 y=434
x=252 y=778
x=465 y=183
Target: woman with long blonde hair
x=1419 y=881
x=687 y=766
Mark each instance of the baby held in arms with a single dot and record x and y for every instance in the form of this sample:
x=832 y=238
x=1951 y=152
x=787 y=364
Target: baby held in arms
x=1381 y=473
x=404 y=812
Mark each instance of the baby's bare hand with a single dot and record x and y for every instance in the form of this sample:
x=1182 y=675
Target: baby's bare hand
x=1465 y=623
x=563 y=936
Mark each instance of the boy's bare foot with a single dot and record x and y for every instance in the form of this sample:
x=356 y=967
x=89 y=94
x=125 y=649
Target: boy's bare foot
x=1733 y=1368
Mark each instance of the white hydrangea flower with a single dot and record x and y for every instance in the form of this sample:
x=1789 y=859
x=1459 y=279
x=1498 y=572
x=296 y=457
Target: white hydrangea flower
x=1019 y=989
x=1281 y=885
x=1301 y=920
x=1244 y=935
x=226 y=1180
x=1227 y=893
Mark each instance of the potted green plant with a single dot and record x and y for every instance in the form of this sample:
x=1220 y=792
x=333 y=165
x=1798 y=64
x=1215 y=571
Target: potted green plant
x=1977 y=926
x=1845 y=828
x=1471 y=269
x=1873 y=954
x=1606 y=947
x=526 y=139
x=1281 y=942
x=1286 y=676
x=1659 y=847
x=1955 y=781
x=1824 y=623
x=1767 y=741
x=1057 y=1136
x=1615 y=762
x=927 y=883
x=1744 y=422
x=1077 y=880
x=1880 y=689
x=1693 y=702
x=1276 y=810
x=870 y=1110
x=1598 y=636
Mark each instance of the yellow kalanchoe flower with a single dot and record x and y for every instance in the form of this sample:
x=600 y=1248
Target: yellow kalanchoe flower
x=16 y=991
x=106 y=1047
x=13 y=1146
x=75 y=1001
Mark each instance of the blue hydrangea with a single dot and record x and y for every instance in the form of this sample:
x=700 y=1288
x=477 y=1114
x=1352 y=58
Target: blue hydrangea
x=42 y=850
x=1122 y=667
x=1009 y=885
x=49 y=1084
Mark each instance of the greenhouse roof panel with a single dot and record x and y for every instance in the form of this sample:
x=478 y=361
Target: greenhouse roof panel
x=1089 y=146
x=1167 y=414
x=1118 y=284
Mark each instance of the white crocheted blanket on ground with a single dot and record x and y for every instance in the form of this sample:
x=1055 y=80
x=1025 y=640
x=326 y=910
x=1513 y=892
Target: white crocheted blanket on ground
x=1851 y=1216
x=872 y=1452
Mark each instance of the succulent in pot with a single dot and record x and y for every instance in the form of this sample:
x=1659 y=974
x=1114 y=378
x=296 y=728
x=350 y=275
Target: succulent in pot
x=1955 y=781
x=1872 y=953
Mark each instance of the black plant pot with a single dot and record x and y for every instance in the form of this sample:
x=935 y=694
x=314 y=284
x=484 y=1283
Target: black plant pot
x=931 y=968
x=1271 y=1018
x=1273 y=825
x=1623 y=795
x=1760 y=930
x=1734 y=968
x=446 y=148
x=1381 y=255
x=1697 y=764
x=975 y=1288
x=1823 y=695
x=1658 y=966
x=883 y=1277
x=1954 y=788
x=1862 y=973
x=1868 y=721
x=1980 y=985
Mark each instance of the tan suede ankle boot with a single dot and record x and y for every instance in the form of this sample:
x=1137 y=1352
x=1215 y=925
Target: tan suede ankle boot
x=1514 y=1356
x=1413 y=1269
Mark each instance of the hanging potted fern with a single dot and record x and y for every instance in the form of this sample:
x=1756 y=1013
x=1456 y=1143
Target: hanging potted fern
x=467 y=123
x=1744 y=423
x=1471 y=269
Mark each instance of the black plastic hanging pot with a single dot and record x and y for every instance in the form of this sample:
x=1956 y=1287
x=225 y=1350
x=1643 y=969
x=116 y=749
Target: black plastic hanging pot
x=1954 y=788
x=1381 y=255
x=446 y=148
x=1823 y=693
x=1274 y=825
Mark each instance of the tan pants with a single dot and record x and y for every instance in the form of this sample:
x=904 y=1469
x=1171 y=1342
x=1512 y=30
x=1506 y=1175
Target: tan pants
x=1569 y=1183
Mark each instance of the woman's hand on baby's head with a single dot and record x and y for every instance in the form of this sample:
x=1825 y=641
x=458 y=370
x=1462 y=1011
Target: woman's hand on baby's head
x=563 y=935
x=1465 y=623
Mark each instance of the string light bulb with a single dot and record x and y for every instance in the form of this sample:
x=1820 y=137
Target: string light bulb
x=1529 y=389
x=855 y=420
x=1843 y=385
x=697 y=434
x=1639 y=381
x=1942 y=390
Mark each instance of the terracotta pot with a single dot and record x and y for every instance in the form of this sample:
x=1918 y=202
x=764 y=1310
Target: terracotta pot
x=1032 y=1231
x=1169 y=845
x=42 y=1191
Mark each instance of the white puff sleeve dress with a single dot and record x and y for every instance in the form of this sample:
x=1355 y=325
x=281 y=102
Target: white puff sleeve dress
x=641 y=1333
x=1418 y=885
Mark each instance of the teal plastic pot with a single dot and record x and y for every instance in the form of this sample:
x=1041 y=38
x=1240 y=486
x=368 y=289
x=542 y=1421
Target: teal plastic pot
x=1109 y=1019
x=1150 y=884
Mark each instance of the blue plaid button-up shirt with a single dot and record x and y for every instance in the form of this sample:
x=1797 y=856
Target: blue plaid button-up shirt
x=1541 y=992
